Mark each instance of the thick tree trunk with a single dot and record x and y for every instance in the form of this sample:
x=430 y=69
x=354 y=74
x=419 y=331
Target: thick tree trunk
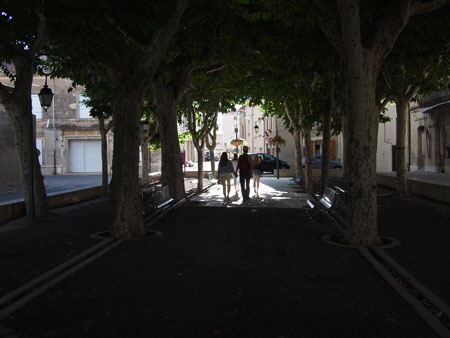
x=18 y=107
x=402 y=106
x=294 y=120
x=325 y=149
x=308 y=164
x=362 y=148
x=145 y=154
x=345 y=144
x=103 y=134
x=166 y=102
x=127 y=209
x=298 y=153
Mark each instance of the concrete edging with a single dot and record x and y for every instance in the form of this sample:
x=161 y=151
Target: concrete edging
x=431 y=190
x=17 y=209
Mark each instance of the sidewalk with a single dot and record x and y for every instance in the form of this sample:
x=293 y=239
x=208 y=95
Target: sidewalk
x=220 y=270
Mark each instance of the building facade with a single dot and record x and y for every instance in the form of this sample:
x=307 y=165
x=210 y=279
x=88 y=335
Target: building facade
x=67 y=137
x=427 y=136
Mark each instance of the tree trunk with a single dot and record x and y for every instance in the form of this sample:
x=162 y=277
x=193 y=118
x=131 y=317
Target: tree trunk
x=402 y=106
x=345 y=144
x=166 y=100
x=362 y=62
x=308 y=164
x=201 y=159
x=127 y=209
x=18 y=107
x=103 y=135
x=362 y=146
x=212 y=135
x=325 y=149
x=298 y=153
x=404 y=96
x=145 y=154
x=294 y=119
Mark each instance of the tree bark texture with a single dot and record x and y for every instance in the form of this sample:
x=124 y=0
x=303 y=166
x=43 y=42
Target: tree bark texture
x=298 y=153
x=308 y=163
x=212 y=135
x=405 y=94
x=201 y=159
x=127 y=209
x=362 y=147
x=22 y=122
x=145 y=154
x=103 y=135
x=294 y=120
x=326 y=130
x=166 y=98
x=345 y=143
x=17 y=103
x=400 y=154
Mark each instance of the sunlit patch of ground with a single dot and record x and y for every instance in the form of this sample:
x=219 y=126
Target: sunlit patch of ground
x=273 y=193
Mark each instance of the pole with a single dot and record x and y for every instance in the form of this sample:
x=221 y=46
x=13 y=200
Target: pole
x=54 y=132
x=278 y=149
x=31 y=211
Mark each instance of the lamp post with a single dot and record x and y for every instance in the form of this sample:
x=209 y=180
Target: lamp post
x=278 y=149
x=45 y=98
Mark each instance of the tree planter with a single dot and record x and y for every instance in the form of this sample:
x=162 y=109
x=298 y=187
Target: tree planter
x=277 y=141
x=236 y=142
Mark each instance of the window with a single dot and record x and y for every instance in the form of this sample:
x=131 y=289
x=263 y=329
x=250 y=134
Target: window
x=84 y=110
x=36 y=108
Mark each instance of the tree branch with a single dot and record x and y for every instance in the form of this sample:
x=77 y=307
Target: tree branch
x=124 y=33
x=423 y=8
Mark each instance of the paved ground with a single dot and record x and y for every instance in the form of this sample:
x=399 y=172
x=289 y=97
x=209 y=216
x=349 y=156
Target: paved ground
x=58 y=184
x=256 y=269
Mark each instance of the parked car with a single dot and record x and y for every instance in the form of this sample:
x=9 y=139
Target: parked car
x=208 y=156
x=269 y=162
x=317 y=162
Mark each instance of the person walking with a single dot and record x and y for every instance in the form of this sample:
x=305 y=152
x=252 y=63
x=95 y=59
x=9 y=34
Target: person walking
x=245 y=173
x=234 y=161
x=225 y=170
x=256 y=165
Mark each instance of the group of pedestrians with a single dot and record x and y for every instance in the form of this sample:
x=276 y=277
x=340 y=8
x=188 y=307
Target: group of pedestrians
x=245 y=167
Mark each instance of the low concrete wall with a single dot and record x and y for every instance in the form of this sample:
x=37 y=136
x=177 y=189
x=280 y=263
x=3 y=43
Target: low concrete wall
x=13 y=210
x=431 y=190
x=17 y=209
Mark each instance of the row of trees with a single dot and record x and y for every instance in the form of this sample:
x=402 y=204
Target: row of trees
x=330 y=62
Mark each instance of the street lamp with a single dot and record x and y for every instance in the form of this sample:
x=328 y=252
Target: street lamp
x=45 y=96
x=256 y=128
x=46 y=67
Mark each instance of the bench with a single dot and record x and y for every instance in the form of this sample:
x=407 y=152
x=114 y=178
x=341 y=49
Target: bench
x=153 y=196
x=334 y=197
x=328 y=197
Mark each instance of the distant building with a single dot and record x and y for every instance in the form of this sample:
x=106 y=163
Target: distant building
x=67 y=137
x=427 y=136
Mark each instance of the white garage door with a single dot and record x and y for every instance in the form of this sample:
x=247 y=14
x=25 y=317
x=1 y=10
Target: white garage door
x=85 y=156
